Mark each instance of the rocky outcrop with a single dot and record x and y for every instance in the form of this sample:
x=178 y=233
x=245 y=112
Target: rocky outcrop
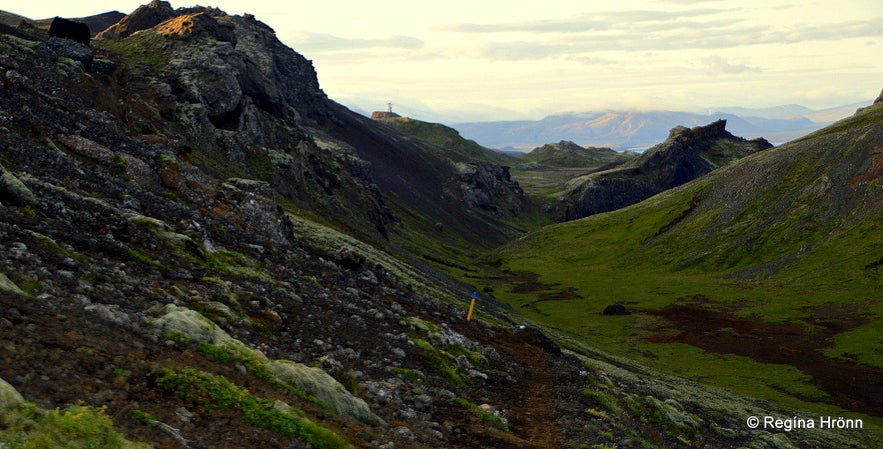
x=68 y=29
x=488 y=186
x=686 y=155
x=145 y=17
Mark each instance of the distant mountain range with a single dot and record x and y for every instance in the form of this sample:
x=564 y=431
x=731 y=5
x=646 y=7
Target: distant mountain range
x=641 y=129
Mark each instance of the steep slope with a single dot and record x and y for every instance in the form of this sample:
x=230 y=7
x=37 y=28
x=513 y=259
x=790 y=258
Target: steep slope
x=762 y=276
x=240 y=93
x=447 y=139
x=686 y=155
x=154 y=261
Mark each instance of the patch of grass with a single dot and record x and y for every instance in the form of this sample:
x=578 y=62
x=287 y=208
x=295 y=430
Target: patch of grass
x=441 y=363
x=255 y=366
x=78 y=427
x=607 y=401
x=147 y=48
x=482 y=414
x=140 y=258
x=210 y=393
x=410 y=375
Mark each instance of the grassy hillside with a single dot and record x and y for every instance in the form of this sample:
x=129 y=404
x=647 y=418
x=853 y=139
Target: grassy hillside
x=447 y=140
x=763 y=277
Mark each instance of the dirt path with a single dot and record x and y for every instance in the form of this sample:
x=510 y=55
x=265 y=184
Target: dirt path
x=537 y=421
x=532 y=407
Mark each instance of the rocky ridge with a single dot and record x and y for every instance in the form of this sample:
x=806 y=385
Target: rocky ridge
x=686 y=155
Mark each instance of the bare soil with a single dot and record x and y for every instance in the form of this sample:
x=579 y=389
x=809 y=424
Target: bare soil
x=851 y=386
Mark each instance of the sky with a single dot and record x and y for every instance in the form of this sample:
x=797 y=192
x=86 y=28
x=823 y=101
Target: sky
x=482 y=60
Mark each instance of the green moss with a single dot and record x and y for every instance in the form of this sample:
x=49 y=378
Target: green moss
x=410 y=375
x=147 y=48
x=140 y=258
x=210 y=393
x=55 y=248
x=78 y=427
x=255 y=366
x=482 y=414
x=441 y=363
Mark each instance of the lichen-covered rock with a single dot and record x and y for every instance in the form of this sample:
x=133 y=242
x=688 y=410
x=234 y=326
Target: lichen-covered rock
x=88 y=148
x=10 y=400
x=321 y=385
x=252 y=204
x=195 y=327
x=76 y=51
x=8 y=286
x=13 y=191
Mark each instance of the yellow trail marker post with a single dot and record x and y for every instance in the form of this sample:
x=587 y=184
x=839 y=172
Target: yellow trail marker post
x=471 y=306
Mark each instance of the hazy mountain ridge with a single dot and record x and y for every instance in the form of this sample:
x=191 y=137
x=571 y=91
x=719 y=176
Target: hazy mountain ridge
x=641 y=129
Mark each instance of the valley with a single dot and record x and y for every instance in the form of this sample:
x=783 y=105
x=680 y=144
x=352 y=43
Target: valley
x=199 y=248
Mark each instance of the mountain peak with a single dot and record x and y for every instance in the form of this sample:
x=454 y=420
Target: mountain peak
x=714 y=130
x=144 y=17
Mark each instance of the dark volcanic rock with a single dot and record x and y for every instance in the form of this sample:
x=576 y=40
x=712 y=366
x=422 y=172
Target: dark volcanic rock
x=616 y=309
x=69 y=29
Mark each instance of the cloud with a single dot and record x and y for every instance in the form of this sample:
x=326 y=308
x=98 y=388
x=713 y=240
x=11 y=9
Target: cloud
x=718 y=64
x=650 y=30
x=321 y=42
x=585 y=22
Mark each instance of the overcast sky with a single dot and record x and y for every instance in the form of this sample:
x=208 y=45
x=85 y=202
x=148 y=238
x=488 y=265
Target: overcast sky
x=465 y=60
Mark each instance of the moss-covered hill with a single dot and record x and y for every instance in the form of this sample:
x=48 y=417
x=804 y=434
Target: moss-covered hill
x=566 y=154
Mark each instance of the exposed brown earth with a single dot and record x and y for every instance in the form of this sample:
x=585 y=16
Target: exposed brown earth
x=851 y=386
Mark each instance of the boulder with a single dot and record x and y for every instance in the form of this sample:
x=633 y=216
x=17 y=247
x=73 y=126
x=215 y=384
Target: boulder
x=13 y=191
x=616 y=309
x=349 y=258
x=10 y=401
x=323 y=387
x=74 y=50
x=8 y=286
x=195 y=327
x=69 y=29
x=253 y=206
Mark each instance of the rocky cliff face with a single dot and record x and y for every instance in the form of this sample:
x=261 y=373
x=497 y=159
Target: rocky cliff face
x=686 y=155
